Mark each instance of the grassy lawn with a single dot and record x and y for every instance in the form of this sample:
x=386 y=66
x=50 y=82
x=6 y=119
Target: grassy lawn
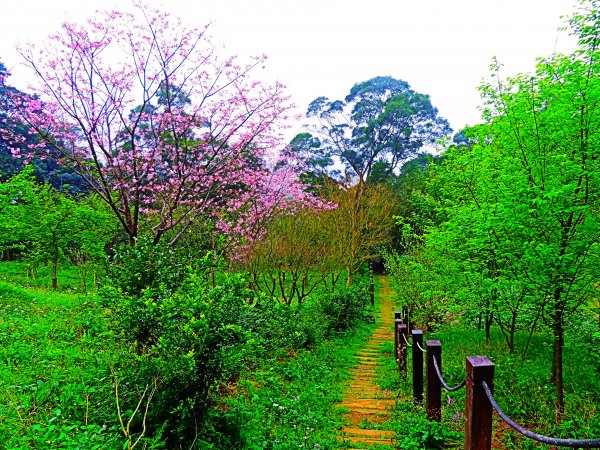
x=56 y=356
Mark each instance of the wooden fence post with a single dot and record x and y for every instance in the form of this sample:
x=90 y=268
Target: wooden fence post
x=417 y=366
x=403 y=367
x=405 y=318
x=478 y=409
x=397 y=322
x=372 y=291
x=433 y=399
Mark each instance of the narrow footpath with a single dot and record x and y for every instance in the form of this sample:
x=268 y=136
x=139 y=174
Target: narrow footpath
x=369 y=406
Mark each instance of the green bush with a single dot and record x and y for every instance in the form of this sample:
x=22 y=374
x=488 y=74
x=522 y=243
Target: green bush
x=416 y=433
x=278 y=328
x=140 y=278
x=195 y=343
x=413 y=431
x=195 y=335
x=345 y=308
x=289 y=403
x=147 y=267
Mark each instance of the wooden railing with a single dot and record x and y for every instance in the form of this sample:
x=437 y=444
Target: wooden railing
x=478 y=383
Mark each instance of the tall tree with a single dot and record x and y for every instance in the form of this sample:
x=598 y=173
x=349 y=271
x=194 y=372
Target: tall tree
x=45 y=170
x=144 y=109
x=542 y=132
x=523 y=204
x=380 y=120
x=381 y=124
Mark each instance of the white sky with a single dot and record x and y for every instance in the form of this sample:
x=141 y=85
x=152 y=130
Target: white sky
x=323 y=47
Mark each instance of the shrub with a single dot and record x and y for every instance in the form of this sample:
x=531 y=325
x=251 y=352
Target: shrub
x=197 y=338
x=277 y=328
x=195 y=344
x=417 y=433
x=345 y=308
x=147 y=267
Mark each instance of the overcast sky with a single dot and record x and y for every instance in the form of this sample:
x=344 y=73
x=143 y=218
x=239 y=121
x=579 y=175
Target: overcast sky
x=322 y=47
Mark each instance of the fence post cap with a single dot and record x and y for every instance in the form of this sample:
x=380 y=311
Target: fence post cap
x=433 y=343
x=397 y=314
x=479 y=368
x=417 y=332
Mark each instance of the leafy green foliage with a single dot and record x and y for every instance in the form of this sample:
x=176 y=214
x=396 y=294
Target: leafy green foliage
x=290 y=403
x=415 y=432
x=514 y=239
x=522 y=386
x=380 y=120
x=50 y=227
x=412 y=429
x=55 y=378
x=197 y=343
x=146 y=269
x=345 y=308
x=195 y=338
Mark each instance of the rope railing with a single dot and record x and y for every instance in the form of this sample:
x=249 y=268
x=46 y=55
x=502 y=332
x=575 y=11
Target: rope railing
x=479 y=400
x=441 y=378
x=405 y=340
x=418 y=345
x=573 y=443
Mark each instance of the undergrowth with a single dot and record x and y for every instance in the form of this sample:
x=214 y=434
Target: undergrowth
x=55 y=375
x=64 y=356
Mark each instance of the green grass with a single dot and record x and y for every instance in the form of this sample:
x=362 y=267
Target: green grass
x=522 y=385
x=70 y=278
x=291 y=403
x=55 y=379
x=58 y=355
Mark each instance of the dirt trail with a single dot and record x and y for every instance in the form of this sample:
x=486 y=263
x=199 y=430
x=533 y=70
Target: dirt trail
x=368 y=405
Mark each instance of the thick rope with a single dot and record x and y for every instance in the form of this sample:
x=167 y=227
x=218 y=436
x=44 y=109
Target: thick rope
x=439 y=374
x=404 y=337
x=583 y=443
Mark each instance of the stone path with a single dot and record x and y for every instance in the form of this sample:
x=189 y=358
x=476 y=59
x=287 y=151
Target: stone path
x=368 y=405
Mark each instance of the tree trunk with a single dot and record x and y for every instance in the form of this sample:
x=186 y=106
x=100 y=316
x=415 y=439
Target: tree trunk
x=508 y=331
x=54 y=274
x=533 y=327
x=513 y=330
x=349 y=280
x=557 y=365
x=489 y=318
x=55 y=264
x=334 y=279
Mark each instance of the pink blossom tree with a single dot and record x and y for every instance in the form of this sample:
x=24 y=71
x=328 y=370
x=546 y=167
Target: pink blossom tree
x=276 y=193
x=159 y=125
